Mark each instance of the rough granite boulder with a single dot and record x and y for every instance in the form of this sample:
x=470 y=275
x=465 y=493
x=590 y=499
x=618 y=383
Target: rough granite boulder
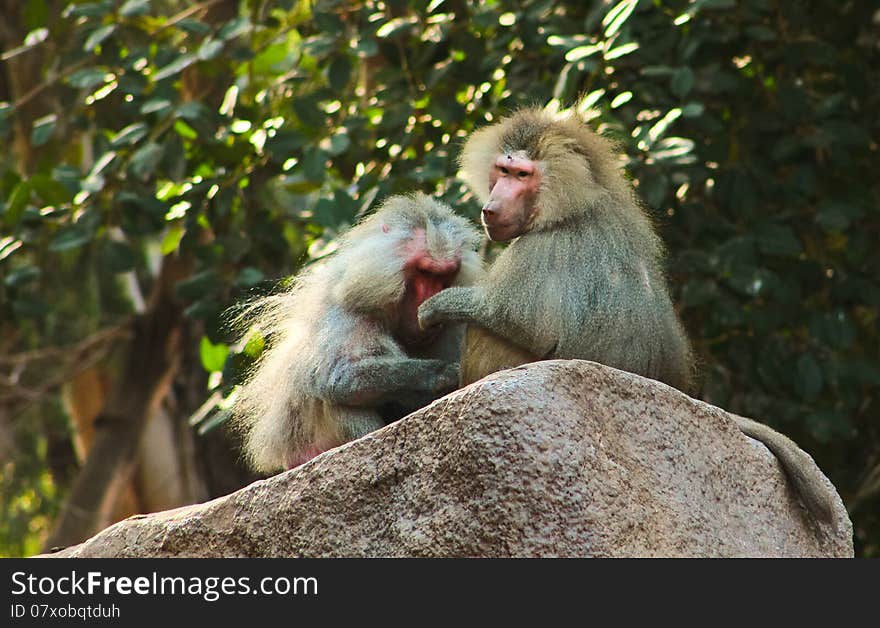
x=557 y=458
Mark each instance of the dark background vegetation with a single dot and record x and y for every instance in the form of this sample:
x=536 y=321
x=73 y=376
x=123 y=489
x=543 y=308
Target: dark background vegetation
x=164 y=160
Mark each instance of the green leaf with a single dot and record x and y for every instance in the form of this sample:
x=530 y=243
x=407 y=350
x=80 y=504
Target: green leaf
x=213 y=355
x=589 y=100
x=102 y=163
x=366 y=47
x=97 y=36
x=87 y=78
x=616 y=17
x=566 y=42
x=8 y=246
x=675 y=149
x=134 y=8
x=653 y=188
x=217 y=419
x=339 y=72
x=620 y=51
x=699 y=293
x=254 y=346
x=836 y=215
x=314 y=165
x=145 y=159
x=582 y=52
x=657 y=70
x=621 y=99
x=339 y=143
x=70 y=237
x=131 y=134
x=832 y=105
x=43 y=129
x=16 y=203
x=249 y=277
x=118 y=257
x=49 y=190
x=199 y=285
x=35 y=37
x=172 y=239
x=273 y=60
x=142 y=213
x=175 y=67
x=660 y=127
x=234 y=28
x=194 y=26
x=88 y=9
x=93 y=183
x=22 y=276
x=682 y=82
x=209 y=49
x=320 y=46
x=778 y=240
x=191 y=111
x=285 y=143
x=396 y=26
x=336 y=212
x=203 y=309
x=834 y=328
x=330 y=22
x=308 y=112
x=67 y=175
x=693 y=110
x=155 y=105
x=184 y=130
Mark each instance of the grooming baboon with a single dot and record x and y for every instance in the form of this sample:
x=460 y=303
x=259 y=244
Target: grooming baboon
x=583 y=277
x=346 y=353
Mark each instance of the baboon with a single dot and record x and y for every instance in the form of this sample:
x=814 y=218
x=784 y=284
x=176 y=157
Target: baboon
x=583 y=276
x=345 y=352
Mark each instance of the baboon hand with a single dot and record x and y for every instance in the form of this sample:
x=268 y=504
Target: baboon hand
x=447 y=380
x=430 y=312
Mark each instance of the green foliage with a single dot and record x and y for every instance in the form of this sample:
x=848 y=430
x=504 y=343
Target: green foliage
x=246 y=139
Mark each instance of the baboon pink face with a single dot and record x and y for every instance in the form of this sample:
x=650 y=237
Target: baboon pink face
x=514 y=180
x=424 y=276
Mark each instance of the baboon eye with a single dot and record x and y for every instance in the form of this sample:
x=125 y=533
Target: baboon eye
x=522 y=174
x=504 y=170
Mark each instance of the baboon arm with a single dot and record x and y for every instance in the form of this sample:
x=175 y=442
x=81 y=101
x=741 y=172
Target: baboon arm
x=372 y=380
x=469 y=305
x=453 y=305
x=356 y=425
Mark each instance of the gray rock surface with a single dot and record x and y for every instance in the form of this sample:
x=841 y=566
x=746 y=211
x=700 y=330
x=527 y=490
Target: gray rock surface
x=557 y=458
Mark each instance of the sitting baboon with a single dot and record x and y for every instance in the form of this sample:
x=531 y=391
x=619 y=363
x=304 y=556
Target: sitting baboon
x=583 y=276
x=345 y=351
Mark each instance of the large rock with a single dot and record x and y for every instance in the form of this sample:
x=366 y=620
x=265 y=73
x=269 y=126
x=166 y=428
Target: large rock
x=558 y=458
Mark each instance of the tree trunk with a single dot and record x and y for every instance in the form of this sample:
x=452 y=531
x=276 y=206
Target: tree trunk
x=148 y=371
